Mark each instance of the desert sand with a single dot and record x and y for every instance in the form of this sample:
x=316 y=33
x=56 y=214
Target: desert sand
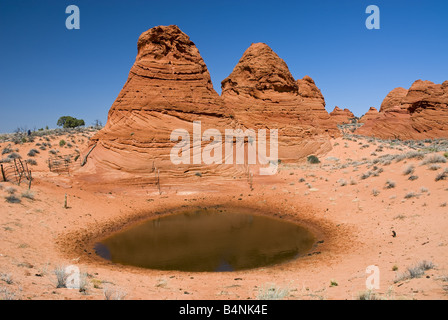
x=352 y=213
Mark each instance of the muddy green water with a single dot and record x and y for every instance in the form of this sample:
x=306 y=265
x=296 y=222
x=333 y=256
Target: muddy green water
x=209 y=240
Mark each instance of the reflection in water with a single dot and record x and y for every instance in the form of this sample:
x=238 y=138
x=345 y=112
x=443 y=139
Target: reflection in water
x=207 y=240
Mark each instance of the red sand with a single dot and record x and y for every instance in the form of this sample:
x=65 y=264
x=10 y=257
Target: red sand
x=38 y=235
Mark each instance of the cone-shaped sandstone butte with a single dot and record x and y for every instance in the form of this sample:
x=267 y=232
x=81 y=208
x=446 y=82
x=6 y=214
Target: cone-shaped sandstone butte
x=263 y=94
x=418 y=113
x=342 y=116
x=169 y=87
x=371 y=114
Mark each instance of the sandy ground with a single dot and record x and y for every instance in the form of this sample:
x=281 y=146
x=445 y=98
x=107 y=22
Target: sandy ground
x=359 y=222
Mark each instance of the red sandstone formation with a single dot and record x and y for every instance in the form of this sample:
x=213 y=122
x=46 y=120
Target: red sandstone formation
x=168 y=88
x=422 y=113
x=371 y=114
x=263 y=94
x=393 y=99
x=312 y=100
x=342 y=116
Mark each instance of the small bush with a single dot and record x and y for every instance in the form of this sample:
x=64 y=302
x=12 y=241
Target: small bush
x=31 y=162
x=390 y=184
x=6 y=150
x=6 y=277
x=368 y=295
x=375 y=192
x=442 y=175
x=434 y=167
x=61 y=277
x=6 y=294
x=272 y=292
x=423 y=265
x=28 y=194
x=13 y=199
x=14 y=155
x=10 y=190
x=412 y=178
x=62 y=143
x=415 y=271
x=113 y=294
x=434 y=158
x=33 y=152
x=410 y=195
x=366 y=175
x=409 y=170
x=313 y=159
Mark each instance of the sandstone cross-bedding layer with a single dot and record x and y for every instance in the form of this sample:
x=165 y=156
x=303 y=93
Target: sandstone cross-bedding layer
x=418 y=113
x=263 y=94
x=168 y=87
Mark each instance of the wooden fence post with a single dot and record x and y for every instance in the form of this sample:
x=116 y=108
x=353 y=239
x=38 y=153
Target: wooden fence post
x=3 y=173
x=31 y=179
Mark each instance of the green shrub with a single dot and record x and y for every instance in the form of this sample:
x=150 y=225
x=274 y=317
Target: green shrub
x=14 y=155
x=6 y=150
x=62 y=143
x=13 y=199
x=434 y=158
x=33 y=153
x=313 y=159
x=32 y=162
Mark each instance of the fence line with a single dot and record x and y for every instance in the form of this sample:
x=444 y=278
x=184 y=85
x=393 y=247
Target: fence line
x=16 y=172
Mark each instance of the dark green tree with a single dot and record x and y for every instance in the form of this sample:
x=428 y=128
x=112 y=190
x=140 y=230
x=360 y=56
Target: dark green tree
x=70 y=122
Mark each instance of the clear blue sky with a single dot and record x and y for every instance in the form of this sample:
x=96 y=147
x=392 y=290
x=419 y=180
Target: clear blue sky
x=47 y=71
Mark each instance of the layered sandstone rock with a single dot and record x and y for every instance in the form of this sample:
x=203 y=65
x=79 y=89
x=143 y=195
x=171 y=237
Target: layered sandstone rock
x=263 y=94
x=371 y=114
x=422 y=113
x=342 y=116
x=393 y=99
x=313 y=102
x=168 y=88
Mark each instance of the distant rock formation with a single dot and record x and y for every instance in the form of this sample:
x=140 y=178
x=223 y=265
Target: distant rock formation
x=342 y=116
x=371 y=114
x=418 y=113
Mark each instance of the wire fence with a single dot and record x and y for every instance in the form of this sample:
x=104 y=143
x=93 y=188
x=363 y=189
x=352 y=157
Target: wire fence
x=16 y=172
x=62 y=164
